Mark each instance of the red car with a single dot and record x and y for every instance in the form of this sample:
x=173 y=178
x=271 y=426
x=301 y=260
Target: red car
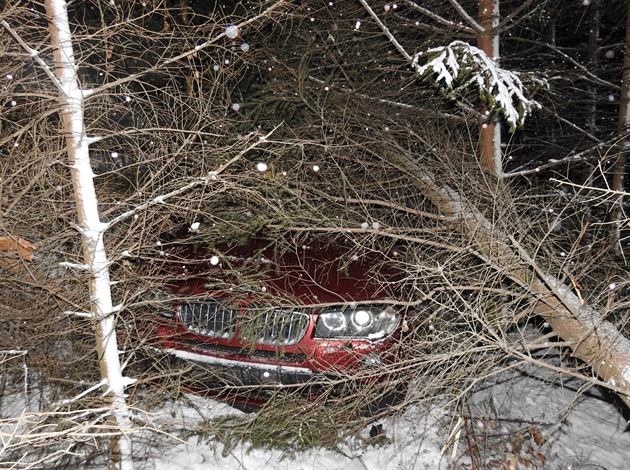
x=248 y=321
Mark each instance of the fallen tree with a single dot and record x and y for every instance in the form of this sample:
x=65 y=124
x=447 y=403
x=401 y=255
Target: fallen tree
x=590 y=336
x=582 y=328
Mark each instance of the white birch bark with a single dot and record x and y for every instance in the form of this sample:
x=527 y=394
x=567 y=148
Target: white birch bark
x=90 y=226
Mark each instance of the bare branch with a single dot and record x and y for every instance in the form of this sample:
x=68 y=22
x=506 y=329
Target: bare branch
x=438 y=18
x=184 y=55
x=202 y=180
x=387 y=32
x=466 y=17
x=35 y=55
x=552 y=163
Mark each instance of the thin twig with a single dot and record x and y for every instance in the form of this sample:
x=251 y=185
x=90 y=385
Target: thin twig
x=392 y=205
x=385 y=29
x=551 y=163
x=211 y=177
x=35 y=55
x=466 y=17
x=186 y=54
x=381 y=232
x=438 y=18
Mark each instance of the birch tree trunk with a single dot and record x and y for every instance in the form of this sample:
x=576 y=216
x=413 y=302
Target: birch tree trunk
x=91 y=228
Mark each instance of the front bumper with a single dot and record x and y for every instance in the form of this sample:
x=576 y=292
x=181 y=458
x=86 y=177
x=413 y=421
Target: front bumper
x=210 y=369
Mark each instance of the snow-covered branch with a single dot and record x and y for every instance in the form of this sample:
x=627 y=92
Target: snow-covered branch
x=598 y=342
x=460 y=66
x=71 y=98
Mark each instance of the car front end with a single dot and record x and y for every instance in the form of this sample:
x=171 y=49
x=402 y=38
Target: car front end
x=298 y=328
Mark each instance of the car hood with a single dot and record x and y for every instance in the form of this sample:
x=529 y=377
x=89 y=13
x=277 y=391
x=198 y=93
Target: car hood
x=304 y=275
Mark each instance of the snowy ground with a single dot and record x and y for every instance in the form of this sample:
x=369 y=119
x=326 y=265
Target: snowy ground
x=520 y=423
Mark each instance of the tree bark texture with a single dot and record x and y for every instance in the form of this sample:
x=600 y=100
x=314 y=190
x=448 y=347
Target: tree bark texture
x=490 y=129
x=90 y=226
x=593 y=339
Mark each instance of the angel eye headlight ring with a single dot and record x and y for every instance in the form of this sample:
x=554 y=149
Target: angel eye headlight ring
x=362 y=318
x=370 y=322
x=334 y=321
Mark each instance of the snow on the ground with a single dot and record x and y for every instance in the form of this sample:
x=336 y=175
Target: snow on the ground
x=414 y=443
x=580 y=431
x=583 y=428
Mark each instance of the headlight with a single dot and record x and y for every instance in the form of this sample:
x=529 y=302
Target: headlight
x=362 y=318
x=334 y=321
x=365 y=322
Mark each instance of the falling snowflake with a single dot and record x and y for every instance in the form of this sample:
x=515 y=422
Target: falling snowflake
x=261 y=166
x=231 y=31
x=214 y=260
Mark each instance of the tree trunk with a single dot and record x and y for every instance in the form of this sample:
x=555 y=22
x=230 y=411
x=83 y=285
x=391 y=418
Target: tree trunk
x=619 y=167
x=594 y=340
x=490 y=131
x=91 y=228
x=593 y=49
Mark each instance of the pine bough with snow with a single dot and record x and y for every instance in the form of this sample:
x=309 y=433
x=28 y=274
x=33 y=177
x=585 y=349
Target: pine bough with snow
x=459 y=66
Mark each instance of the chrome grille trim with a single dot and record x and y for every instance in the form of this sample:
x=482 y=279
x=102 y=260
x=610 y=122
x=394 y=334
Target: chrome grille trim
x=210 y=319
x=281 y=327
x=274 y=327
